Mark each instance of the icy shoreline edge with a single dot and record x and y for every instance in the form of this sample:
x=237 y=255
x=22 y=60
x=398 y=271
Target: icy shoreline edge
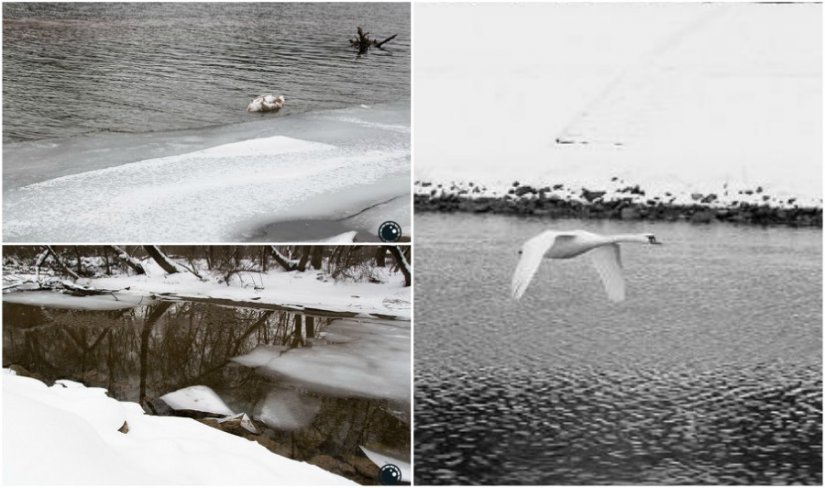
x=629 y=203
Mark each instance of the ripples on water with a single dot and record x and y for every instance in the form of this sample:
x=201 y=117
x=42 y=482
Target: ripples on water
x=78 y=68
x=710 y=372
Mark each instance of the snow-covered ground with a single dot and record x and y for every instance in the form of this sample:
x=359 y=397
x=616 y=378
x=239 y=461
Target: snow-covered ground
x=678 y=98
x=294 y=289
x=69 y=434
x=309 y=166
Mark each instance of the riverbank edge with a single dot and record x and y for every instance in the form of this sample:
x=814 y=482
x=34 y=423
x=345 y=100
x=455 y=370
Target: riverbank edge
x=528 y=201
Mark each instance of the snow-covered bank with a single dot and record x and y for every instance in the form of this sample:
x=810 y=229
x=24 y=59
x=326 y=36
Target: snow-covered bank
x=294 y=290
x=675 y=98
x=315 y=165
x=616 y=199
x=70 y=435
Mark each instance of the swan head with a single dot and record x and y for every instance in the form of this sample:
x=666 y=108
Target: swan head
x=651 y=239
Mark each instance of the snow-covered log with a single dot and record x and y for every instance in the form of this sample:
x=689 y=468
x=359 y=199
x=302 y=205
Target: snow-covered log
x=128 y=260
x=285 y=262
x=162 y=259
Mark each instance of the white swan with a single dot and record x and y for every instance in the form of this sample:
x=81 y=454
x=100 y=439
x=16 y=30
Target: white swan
x=568 y=244
x=266 y=103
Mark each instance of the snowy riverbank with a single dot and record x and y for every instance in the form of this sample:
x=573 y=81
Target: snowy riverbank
x=697 y=111
x=615 y=198
x=217 y=185
x=293 y=290
x=68 y=433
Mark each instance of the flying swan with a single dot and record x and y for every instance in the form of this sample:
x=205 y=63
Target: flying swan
x=568 y=244
x=266 y=103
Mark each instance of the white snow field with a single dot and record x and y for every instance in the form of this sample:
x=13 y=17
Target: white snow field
x=69 y=435
x=219 y=185
x=365 y=358
x=683 y=97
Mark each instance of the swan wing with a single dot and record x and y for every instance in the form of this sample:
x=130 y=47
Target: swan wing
x=531 y=254
x=608 y=262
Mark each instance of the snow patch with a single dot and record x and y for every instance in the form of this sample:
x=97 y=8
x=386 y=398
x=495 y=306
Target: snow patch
x=199 y=398
x=57 y=435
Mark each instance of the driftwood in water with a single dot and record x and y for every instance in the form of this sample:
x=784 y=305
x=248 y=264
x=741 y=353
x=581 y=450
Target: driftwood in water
x=363 y=43
x=84 y=291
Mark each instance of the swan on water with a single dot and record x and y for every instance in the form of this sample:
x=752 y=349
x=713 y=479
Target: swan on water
x=266 y=103
x=604 y=250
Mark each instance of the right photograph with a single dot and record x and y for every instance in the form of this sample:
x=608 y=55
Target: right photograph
x=618 y=231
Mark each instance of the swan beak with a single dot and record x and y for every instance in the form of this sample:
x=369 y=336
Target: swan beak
x=653 y=241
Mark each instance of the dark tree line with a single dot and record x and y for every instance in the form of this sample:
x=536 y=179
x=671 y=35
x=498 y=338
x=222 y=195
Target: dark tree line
x=341 y=261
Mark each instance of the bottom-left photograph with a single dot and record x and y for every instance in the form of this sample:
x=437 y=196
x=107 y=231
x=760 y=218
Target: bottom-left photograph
x=269 y=364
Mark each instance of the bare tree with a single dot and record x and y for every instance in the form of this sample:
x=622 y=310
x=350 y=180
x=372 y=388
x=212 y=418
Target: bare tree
x=402 y=263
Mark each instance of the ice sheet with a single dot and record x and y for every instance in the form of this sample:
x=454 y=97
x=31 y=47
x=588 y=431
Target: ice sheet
x=373 y=361
x=288 y=410
x=218 y=193
x=62 y=300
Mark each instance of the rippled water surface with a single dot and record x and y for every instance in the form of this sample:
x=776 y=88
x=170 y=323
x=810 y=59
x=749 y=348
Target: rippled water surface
x=709 y=372
x=72 y=69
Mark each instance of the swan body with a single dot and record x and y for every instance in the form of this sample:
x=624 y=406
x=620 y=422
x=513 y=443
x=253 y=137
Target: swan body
x=604 y=251
x=266 y=103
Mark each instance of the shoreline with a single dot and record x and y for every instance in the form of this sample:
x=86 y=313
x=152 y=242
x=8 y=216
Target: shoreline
x=629 y=203
x=288 y=169
x=28 y=162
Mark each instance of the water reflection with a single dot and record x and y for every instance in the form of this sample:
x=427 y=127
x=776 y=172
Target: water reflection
x=142 y=353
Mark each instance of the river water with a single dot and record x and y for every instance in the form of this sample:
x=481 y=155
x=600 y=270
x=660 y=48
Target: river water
x=72 y=69
x=709 y=372
x=139 y=354
x=136 y=113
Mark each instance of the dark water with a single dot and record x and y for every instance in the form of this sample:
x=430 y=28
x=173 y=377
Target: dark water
x=87 y=68
x=709 y=372
x=142 y=353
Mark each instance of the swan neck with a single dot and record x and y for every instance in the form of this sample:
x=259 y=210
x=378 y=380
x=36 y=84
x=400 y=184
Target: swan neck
x=631 y=238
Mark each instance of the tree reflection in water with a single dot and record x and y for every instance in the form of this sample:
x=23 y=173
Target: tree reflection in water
x=142 y=353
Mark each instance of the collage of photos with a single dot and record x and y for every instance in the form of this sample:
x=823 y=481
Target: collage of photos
x=412 y=243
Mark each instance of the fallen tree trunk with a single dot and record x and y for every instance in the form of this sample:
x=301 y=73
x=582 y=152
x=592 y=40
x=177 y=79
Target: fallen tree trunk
x=283 y=261
x=162 y=259
x=62 y=264
x=128 y=260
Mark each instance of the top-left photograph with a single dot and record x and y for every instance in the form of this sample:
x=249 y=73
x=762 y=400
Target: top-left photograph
x=206 y=122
